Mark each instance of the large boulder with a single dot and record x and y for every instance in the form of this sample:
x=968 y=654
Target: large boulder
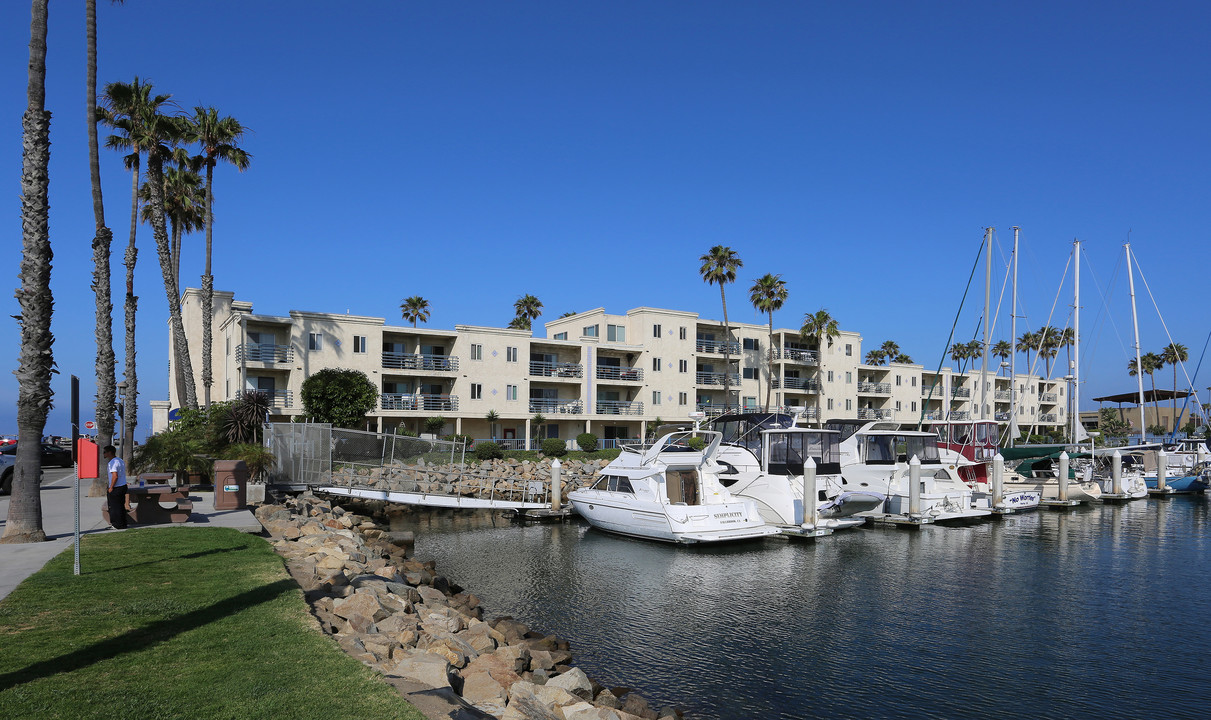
x=575 y=682
x=524 y=704
x=485 y=693
x=425 y=668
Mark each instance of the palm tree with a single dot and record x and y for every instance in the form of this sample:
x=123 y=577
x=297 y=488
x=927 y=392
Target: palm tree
x=902 y=359
x=102 y=243
x=890 y=349
x=219 y=138
x=960 y=352
x=415 y=308
x=719 y=266
x=1067 y=340
x=1150 y=362
x=1002 y=349
x=24 y=522
x=184 y=206
x=1173 y=355
x=528 y=308
x=1026 y=344
x=1047 y=341
x=125 y=106
x=817 y=328
x=767 y=295
x=875 y=357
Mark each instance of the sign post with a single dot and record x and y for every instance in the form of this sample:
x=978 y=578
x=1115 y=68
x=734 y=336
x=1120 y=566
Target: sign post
x=86 y=469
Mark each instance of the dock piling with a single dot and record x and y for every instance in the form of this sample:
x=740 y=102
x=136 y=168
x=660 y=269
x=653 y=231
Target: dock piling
x=998 y=480
x=556 y=486
x=914 y=486
x=1116 y=472
x=1063 y=477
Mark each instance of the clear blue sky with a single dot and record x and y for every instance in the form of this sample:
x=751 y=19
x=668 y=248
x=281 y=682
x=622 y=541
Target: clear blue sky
x=588 y=153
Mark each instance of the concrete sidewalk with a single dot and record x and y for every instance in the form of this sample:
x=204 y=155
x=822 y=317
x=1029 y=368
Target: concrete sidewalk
x=18 y=562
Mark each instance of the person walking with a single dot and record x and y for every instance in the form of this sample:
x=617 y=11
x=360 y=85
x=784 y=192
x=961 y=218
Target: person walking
x=116 y=493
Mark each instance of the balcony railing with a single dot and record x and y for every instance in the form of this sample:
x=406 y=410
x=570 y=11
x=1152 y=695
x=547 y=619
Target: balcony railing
x=418 y=361
x=263 y=352
x=809 y=412
x=417 y=401
x=875 y=388
x=1051 y=398
x=873 y=414
x=706 y=378
x=1048 y=417
x=936 y=390
x=934 y=415
x=619 y=407
x=960 y=392
x=556 y=369
x=1001 y=416
x=1005 y=395
x=717 y=346
x=552 y=405
x=809 y=384
x=711 y=410
x=279 y=398
x=622 y=374
x=808 y=357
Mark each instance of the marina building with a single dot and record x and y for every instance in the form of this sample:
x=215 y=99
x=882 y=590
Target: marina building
x=608 y=374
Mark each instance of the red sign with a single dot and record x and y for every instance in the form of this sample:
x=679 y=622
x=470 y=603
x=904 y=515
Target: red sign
x=86 y=459
x=90 y=425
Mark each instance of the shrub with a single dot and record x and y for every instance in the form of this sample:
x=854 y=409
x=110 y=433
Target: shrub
x=338 y=396
x=587 y=441
x=257 y=458
x=696 y=442
x=488 y=450
x=554 y=447
x=434 y=425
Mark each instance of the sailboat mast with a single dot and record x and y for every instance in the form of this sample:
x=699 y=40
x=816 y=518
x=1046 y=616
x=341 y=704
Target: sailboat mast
x=1075 y=370
x=1135 y=323
x=1013 y=355
x=987 y=323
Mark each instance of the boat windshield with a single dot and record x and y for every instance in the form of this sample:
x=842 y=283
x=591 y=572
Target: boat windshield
x=745 y=430
x=889 y=449
x=788 y=452
x=613 y=483
x=986 y=433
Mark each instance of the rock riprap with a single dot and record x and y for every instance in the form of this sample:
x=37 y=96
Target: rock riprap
x=399 y=616
x=504 y=479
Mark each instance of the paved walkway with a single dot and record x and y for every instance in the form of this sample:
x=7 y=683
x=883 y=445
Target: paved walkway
x=18 y=562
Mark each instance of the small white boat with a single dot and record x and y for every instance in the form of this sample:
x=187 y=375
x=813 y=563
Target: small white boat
x=670 y=492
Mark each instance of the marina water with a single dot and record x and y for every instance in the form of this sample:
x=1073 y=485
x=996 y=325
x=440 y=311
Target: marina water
x=1093 y=612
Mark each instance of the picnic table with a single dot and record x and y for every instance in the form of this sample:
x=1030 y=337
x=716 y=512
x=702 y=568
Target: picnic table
x=149 y=502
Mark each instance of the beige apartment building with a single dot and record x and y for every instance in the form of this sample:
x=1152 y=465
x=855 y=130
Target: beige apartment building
x=611 y=375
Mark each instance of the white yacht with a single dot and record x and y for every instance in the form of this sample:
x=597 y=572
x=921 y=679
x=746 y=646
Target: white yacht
x=875 y=457
x=1037 y=471
x=670 y=492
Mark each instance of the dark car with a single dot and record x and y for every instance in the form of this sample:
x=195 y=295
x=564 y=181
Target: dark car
x=52 y=455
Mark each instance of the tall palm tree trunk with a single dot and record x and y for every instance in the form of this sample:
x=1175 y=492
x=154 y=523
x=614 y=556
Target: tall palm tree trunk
x=101 y=244
x=130 y=308
x=727 y=353
x=24 y=522
x=208 y=293
x=769 y=385
x=186 y=393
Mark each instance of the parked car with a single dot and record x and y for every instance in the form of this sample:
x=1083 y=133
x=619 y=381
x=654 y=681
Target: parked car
x=6 y=473
x=52 y=455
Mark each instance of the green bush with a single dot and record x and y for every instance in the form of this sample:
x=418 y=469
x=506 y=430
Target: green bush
x=587 y=442
x=435 y=424
x=488 y=450
x=554 y=447
x=696 y=442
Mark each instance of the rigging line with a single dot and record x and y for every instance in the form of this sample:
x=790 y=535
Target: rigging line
x=1186 y=375
x=1197 y=405
x=1114 y=277
x=1050 y=317
x=938 y=373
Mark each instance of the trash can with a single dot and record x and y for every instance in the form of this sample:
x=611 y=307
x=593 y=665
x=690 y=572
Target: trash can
x=230 y=485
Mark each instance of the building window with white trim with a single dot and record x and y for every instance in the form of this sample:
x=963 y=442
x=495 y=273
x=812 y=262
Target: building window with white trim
x=510 y=354
x=315 y=341
x=655 y=397
x=477 y=391
x=510 y=392
x=589 y=331
x=477 y=351
x=683 y=398
x=849 y=404
x=616 y=333
x=683 y=365
x=656 y=331
x=655 y=364
x=849 y=349
x=683 y=334
x=359 y=344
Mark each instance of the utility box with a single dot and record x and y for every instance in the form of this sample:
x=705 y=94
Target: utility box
x=230 y=485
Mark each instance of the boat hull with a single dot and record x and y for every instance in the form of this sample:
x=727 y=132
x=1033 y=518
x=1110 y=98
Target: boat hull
x=1049 y=489
x=683 y=524
x=1186 y=484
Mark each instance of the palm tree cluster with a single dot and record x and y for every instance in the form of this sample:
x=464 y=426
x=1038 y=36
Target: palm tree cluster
x=889 y=352
x=415 y=308
x=719 y=266
x=1046 y=343
x=1149 y=363
x=527 y=308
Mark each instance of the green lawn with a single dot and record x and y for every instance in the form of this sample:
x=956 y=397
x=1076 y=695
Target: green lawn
x=176 y=623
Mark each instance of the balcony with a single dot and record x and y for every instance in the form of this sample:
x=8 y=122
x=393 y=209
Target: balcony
x=1048 y=417
x=619 y=407
x=873 y=414
x=1049 y=398
x=935 y=415
x=874 y=388
x=711 y=410
x=416 y=401
x=960 y=415
x=1004 y=395
x=264 y=353
x=621 y=374
x=556 y=369
x=554 y=405
x=279 y=398
x=417 y=361
x=707 y=378
x=960 y=392
x=937 y=391
x=717 y=346
x=805 y=412
x=808 y=384
x=1001 y=416
x=807 y=357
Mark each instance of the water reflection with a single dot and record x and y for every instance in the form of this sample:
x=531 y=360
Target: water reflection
x=1092 y=611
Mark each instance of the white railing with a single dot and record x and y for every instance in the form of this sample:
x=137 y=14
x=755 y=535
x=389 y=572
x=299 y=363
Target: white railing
x=810 y=384
x=1048 y=417
x=263 y=352
x=706 y=378
x=936 y=390
x=934 y=415
x=960 y=415
x=1001 y=416
x=556 y=369
x=279 y=398
x=1005 y=395
x=806 y=412
x=876 y=388
x=419 y=361
x=716 y=346
x=417 y=401
x=809 y=357
x=553 y=405
x=1051 y=398
x=619 y=407
x=711 y=410
x=960 y=392
x=623 y=374
x=873 y=414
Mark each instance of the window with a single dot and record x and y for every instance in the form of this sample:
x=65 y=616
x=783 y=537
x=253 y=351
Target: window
x=914 y=405
x=616 y=333
x=914 y=380
x=511 y=353
x=682 y=334
x=561 y=336
x=749 y=373
x=656 y=331
x=315 y=341
x=359 y=343
x=849 y=349
x=849 y=378
x=849 y=404
x=683 y=398
x=897 y=406
x=830 y=375
x=830 y=403
x=589 y=331
x=897 y=381
x=655 y=397
x=655 y=364
x=510 y=392
x=477 y=391
x=750 y=402
x=683 y=365
x=751 y=344
x=477 y=351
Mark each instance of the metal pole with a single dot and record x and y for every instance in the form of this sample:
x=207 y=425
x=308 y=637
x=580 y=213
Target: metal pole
x=1139 y=369
x=1116 y=473
x=998 y=480
x=76 y=535
x=1162 y=469
x=1063 y=476
x=914 y=486
x=556 y=486
x=811 y=514
x=1013 y=339
x=1074 y=394
x=987 y=322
